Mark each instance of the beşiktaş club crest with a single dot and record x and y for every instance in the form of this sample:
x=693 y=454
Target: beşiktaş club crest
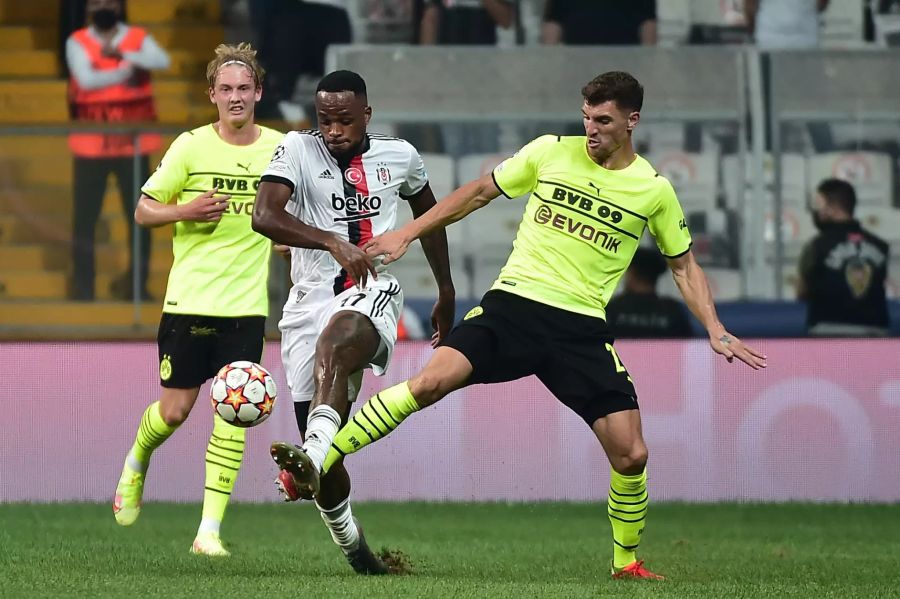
x=383 y=173
x=353 y=175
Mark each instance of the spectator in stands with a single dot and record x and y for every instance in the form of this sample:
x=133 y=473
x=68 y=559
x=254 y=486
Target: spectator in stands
x=469 y=22
x=293 y=38
x=466 y=22
x=600 y=22
x=784 y=24
x=638 y=312
x=109 y=64
x=843 y=269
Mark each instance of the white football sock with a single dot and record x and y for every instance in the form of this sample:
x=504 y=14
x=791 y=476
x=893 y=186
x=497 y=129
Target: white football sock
x=321 y=427
x=340 y=523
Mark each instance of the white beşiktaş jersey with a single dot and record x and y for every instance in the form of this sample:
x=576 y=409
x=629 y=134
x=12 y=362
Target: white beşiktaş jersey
x=356 y=200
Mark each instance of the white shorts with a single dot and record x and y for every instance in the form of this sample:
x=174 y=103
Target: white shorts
x=302 y=323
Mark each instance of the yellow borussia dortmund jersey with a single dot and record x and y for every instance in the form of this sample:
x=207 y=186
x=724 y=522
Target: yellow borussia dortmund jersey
x=220 y=269
x=582 y=223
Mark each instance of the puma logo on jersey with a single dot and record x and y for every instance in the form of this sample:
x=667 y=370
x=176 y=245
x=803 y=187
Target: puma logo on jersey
x=246 y=168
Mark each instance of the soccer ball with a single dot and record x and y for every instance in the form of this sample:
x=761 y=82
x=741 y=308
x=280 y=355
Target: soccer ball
x=243 y=393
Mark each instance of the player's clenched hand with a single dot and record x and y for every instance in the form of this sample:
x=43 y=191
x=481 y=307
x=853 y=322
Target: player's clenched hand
x=354 y=261
x=442 y=317
x=731 y=347
x=391 y=245
x=206 y=207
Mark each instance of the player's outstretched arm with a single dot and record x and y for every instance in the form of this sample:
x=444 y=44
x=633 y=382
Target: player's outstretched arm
x=207 y=207
x=272 y=220
x=435 y=247
x=694 y=287
x=454 y=207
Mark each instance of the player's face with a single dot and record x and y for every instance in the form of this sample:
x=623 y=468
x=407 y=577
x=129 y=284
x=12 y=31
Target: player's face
x=235 y=95
x=607 y=127
x=343 y=118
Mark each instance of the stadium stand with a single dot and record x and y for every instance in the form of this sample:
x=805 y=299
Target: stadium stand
x=36 y=170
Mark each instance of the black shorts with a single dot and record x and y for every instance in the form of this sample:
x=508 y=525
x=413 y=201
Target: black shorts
x=508 y=337
x=193 y=348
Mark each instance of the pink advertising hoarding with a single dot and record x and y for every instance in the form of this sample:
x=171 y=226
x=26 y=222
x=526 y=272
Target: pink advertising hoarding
x=821 y=423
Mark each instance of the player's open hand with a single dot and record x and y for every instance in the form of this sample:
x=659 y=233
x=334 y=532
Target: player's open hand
x=207 y=207
x=392 y=245
x=357 y=264
x=731 y=347
x=442 y=316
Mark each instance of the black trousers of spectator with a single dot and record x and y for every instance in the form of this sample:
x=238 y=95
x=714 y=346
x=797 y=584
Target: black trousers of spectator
x=295 y=36
x=90 y=176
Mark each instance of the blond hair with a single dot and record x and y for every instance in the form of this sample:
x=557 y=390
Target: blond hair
x=242 y=54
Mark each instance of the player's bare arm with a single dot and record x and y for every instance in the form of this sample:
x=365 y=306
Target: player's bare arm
x=207 y=207
x=694 y=287
x=271 y=219
x=435 y=247
x=454 y=207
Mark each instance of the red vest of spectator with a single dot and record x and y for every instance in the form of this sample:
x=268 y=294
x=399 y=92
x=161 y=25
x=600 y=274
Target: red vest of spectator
x=129 y=101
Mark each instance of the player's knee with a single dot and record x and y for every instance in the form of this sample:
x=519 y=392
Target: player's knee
x=174 y=414
x=632 y=462
x=427 y=388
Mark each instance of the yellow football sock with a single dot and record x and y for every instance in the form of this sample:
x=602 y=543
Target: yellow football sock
x=223 y=460
x=627 y=509
x=152 y=432
x=375 y=419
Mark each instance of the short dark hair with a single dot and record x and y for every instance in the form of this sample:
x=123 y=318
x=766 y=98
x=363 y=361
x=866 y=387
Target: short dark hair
x=618 y=86
x=342 y=81
x=648 y=264
x=840 y=193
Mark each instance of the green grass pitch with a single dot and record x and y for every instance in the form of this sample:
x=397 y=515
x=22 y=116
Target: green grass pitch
x=457 y=550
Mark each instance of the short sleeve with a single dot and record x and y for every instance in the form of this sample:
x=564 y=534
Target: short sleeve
x=284 y=167
x=668 y=225
x=171 y=174
x=416 y=177
x=518 y=175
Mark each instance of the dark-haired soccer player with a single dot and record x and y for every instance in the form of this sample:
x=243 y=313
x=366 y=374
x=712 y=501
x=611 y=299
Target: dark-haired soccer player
x=326 y=194
x=591 y=200
x=216 y=300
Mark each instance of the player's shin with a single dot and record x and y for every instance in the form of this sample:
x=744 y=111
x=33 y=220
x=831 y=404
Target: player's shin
x=341 y=524
x=375 y=419
x=627 y=508
x=223 y=460
x=152 y=432
x=321 y=427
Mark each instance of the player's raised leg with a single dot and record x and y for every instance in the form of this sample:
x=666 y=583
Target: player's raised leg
x=347 y=345
x=159 y=421
x=627 y=503
x=446 y=371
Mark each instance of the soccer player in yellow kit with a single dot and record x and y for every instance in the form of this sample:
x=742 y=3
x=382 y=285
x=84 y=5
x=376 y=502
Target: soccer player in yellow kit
x=216 y=300
x=591 y=199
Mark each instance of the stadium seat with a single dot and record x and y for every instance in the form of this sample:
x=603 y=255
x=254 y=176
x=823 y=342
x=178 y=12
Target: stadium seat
x=870 y=173
x=797 y=229
x=441 y=171
x=695 y=177
x=793 y=180
x=842 y=24
x=882 y=221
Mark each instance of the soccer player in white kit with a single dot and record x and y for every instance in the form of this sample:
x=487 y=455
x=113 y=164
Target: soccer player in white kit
x=325 y=194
